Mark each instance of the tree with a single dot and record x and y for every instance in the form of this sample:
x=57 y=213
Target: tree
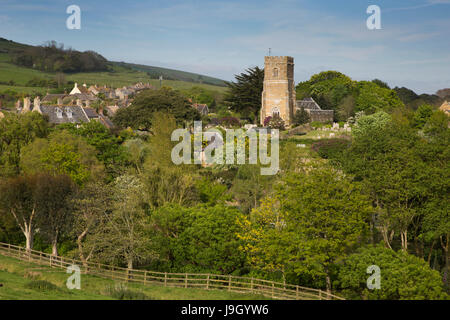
x=422 y=115
x=244 y=95
x=198 y=239
x=53 y=195
x=373 y=98
x=16 y=131
x=91 y=206
x=17 y=198
x=310 y=223
x=139 y=115
x=403 y=276
x=62 y=153
x=122 y=238
x=108 y=146
x=301 y=117
x=164 y=181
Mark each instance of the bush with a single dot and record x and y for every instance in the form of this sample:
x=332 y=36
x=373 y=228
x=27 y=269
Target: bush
x=267 y=121
x=121 y=292
x=41 y=285
x=316 y=124
x=301 y=117
x=403 y=276
x=331 y=148
x=276 y=123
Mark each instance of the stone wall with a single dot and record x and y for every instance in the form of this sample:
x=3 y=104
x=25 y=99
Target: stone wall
x=321 y=115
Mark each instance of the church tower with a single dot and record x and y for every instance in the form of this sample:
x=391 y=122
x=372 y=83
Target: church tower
x=278 y=95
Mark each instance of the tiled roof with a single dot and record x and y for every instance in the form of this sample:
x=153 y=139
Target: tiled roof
x=308 y=103
x=91 y=113
x=51 y=97
x=64 y=114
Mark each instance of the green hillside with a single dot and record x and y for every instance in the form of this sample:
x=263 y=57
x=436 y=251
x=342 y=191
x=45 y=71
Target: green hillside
x=17 y=285
x=119 y=74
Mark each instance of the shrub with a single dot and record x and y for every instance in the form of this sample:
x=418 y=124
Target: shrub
x=301 y=117
x=276 y=123
x=267 y=120
x=230 y=122
x=316 y=124
x=331 y=148
x=403 y=276
x=42 y=285
x=121 y=292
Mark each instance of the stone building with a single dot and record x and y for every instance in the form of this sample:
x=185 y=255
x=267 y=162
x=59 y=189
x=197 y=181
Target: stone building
x=279 y=96
x=315 y=111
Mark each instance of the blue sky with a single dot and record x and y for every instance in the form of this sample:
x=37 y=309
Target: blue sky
x=221 y=38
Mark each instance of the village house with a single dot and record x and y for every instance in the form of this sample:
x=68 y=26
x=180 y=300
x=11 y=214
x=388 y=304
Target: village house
x=445 y=108
x=202 y=108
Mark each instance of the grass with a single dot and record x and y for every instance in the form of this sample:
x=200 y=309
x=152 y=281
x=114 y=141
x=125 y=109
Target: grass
x=118 y=78
x=18 y=285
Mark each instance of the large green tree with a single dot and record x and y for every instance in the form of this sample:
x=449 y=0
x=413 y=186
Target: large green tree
x=245 y=93
x=16 y=131
x=308 y=225
x=139 y=115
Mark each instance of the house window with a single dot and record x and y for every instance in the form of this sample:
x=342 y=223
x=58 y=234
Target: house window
x=59 y=113
x=275 y=73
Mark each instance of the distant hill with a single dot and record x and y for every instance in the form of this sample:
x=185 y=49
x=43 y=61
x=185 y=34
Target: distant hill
x=18 y=53
x=170 y=74
x=413 y=100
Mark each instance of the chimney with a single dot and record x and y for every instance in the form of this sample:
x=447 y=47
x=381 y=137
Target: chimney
x=26 y=105
x=18 y=104
x=37 y=105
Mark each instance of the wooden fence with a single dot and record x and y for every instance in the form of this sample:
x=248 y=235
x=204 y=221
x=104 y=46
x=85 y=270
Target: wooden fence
x=270 y=289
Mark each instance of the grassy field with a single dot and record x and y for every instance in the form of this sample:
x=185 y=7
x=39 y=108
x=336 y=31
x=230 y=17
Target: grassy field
x=120 y=77
x=16 y=286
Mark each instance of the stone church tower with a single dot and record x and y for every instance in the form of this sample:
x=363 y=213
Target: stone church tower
x=278 y=95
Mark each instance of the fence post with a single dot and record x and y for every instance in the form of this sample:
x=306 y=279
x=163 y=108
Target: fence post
x=273 y=289
x=145 y=277
x=229 y=284
x=165 y=279
x=296 y=292
x=186 y=281
x=320 y=294
x=207 y=282
x=40 y=257
x=51 y=261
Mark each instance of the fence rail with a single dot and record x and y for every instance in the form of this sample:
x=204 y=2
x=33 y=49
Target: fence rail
x=270 y=289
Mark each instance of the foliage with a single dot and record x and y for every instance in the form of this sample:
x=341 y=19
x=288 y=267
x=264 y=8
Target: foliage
x=108 y=146
x=366 y=125
x=373 y=98
x=276 y=123
x=62 y=153
x=403 y=276
x=301 y=117
x=244 y=95
x=16 y=131
x=121 y=292
x=52 y=57
x=422 y=115
x=147 y=102
x=200 y=239
x=331 y=148
x=311 y=222
x=42 y=285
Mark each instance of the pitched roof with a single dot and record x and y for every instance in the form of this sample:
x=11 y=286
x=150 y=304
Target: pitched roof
x=91 y=113
x=64 y=114
x=51 y=97
x=308 y=103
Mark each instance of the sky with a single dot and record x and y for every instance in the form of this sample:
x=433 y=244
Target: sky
x=222 y=38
